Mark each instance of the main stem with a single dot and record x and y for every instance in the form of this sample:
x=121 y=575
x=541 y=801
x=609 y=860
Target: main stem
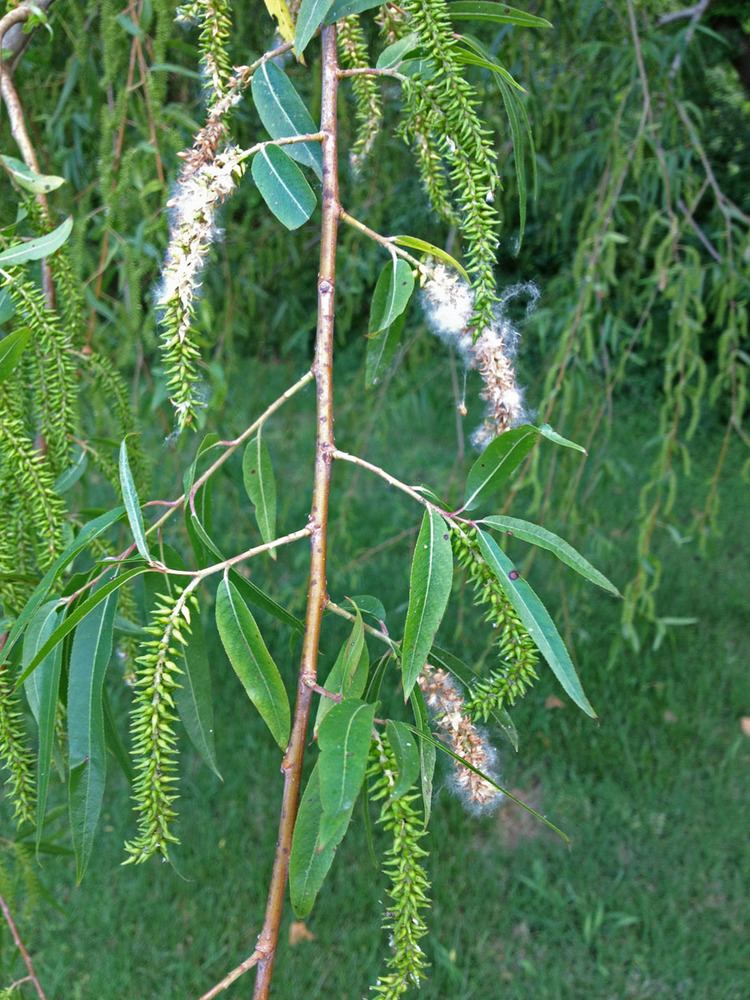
x=316 y=591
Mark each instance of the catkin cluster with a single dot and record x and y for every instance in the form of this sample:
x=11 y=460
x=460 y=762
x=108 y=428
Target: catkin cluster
x=453 y=720
x=517 y=671
x=409 y=886
x=154 y=742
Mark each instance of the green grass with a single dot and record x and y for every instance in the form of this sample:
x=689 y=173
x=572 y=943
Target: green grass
x=649 y=899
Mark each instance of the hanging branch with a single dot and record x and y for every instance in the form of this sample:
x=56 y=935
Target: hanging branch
x=291 y=765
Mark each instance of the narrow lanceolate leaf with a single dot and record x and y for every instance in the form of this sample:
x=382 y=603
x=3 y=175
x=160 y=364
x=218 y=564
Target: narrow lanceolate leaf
x=11 y=349
x=422 y=246
x=496 y=13
x=536 y=619
x=193 y=696
x=344 y=742
x=381 y=351
x=496 y=463
x=403 y=742
x=348 y=675
x=311 y=15
x=42 y=246
x=87 y=534
x=391 y=296
x=427 y=752
x=284 y=114
x=429 y=590
x=29 y=179
x=394 y=54
x=80 y=612
x=260 y=486
x=251 y=661
x=42 y=689
x=70 y=476
x=89 y=656
x=310 y=861
x=91 y=530
x=343 y=8
x=132 y=504
x=551 y=434
x=537 y=535
x=283 y=187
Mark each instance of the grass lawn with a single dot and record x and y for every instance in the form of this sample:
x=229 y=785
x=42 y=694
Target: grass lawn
x=651 y=898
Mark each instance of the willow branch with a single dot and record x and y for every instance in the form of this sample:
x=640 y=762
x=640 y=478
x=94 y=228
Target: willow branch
x=14 y=19
x=316 y=592
x=385 y=241
x=179 y=503
x=230 y=977
x=391 y=480
x=222 y=567
x=32 y=977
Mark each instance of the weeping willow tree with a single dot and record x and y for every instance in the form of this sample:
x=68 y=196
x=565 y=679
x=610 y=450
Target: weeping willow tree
x=625 y=210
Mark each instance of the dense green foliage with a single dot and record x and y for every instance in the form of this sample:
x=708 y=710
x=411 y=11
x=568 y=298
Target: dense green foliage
x=623 y=214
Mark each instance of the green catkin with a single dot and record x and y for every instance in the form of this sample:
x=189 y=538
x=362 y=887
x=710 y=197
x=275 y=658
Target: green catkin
x=517 y=673
x=53 y=371
x=154 y=742
x=442 y=110
x=15 y=754
x=409 y=886
x=352 y=46
x=29 y=476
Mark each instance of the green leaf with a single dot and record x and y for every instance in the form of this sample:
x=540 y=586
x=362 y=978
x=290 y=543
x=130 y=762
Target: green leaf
x=311 y=15
x=429 y=590
x=369 y=605
x=498 y=460
x=260 y=486
x=468 y=678
x=536 y=619
x=283 y=187
x=497 y=13
x=427 y=752
x=348 y=675
x=193 y=696
x=81 y=610
x=70 y=476
x=548 y=432
x=29 y=179
x=132 y=504
x=284 y=114
x=381 y=351
x=88 y=533
x=344 y=8
x=253 y=594
x=89 y=657
x=393 y=54
x=310 y=860
x=422 y=246
x=404 y=746
x=252 y=662
x=7 y=307
x=115 y=743
x=537 y=535
x=344 y=742
x=392 y=293
x=42 y=246
x=42 y=690
x=11 y=348
x=467 y=57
